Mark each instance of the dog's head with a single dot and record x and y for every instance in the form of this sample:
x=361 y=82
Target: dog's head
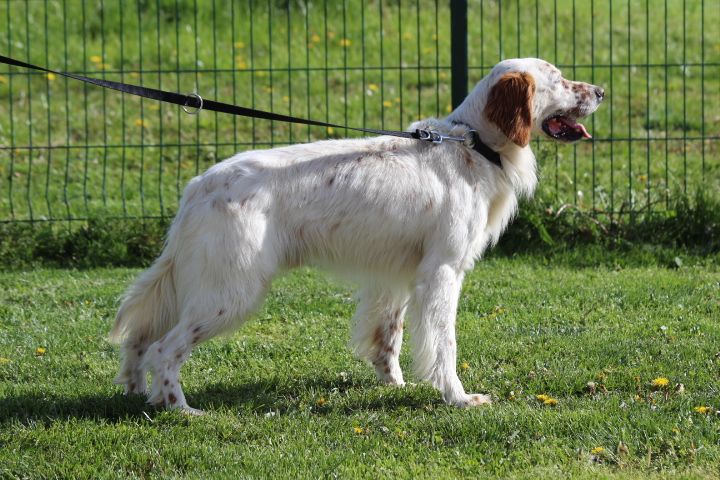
x=530 y=95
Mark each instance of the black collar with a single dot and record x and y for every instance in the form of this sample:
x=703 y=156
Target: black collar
x=481 y=147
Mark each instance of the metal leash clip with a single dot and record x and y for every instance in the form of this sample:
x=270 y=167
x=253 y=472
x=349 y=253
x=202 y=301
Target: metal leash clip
x=437 y=137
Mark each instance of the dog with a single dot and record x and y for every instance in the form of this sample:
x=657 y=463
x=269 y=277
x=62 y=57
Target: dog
x=404 y=218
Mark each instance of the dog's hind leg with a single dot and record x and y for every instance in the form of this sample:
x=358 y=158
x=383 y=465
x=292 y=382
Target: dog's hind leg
x=209 y=311
x=132 y=374
x=378 y=329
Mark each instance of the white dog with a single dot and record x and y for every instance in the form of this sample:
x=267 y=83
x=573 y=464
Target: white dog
x=405 y=218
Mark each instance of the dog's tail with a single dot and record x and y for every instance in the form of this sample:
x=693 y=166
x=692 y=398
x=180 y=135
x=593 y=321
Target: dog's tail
x=148 y=309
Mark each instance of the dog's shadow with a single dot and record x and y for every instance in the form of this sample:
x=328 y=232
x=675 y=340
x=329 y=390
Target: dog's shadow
x=267 y=396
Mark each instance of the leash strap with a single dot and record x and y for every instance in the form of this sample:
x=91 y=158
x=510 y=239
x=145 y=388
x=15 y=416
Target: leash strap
x=193 y=100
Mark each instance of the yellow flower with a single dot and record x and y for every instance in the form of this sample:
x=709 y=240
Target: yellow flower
x=660 y=383
x=239 y=45
x=267 y=89
x=241 y=64
x=134 y=74
x=3 y=79
x=345 y=42
x=51 y=76
x=95 y=58
x=597 y=450
x=315 y=37
x=4 y=360
x=373 y=87
x=358 y=430
x=543 y=397
x=703 y=410
x=448 y=108
x=40 y=351
x=464 y=366
x=550 y=402
x=286 y=99
x=141 y=123
x=407 y=36
x=387 y=104
x=330 y=130
x=320 y=402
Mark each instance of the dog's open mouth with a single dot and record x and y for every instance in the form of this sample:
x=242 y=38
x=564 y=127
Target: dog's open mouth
x=564 y=129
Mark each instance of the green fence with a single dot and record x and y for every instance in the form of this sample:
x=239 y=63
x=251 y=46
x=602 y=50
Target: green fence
x=71 y=152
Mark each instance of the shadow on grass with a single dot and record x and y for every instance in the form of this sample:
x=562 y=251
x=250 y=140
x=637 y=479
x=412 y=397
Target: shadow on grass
x=279 y=396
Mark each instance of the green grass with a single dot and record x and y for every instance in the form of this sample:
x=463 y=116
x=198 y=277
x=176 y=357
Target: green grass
x=132 y=158
x=525 y=328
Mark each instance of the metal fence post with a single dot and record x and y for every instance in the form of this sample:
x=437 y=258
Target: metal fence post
x=458 y=51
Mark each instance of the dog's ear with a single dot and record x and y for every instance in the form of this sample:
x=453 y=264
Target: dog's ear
x=509 y=106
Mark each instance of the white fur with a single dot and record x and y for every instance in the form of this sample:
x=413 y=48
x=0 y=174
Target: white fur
x=404 y=218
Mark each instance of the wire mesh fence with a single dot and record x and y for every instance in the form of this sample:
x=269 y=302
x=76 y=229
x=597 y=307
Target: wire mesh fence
x=69 y=151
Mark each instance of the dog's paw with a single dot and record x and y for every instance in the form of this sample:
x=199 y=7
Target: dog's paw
x=474 y=400
x=191 y=412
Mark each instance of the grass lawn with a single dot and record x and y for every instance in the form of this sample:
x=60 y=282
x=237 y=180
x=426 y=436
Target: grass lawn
x=285 y=398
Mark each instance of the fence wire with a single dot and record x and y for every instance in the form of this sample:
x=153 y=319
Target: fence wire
x=69 y=151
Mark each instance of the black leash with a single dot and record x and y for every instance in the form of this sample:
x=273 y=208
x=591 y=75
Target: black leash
x=471 y=139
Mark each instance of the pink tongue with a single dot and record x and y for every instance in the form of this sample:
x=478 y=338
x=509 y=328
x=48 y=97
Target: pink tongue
x=556 y=126
x=584 y=130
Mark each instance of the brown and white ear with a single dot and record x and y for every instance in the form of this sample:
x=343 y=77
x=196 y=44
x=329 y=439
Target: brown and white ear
x=509 y=106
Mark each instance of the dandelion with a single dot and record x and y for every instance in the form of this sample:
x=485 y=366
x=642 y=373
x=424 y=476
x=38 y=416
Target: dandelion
x=387 y=104
x=358 y=430
x=344 y=42
x=286 y=99
x=96 y=58
x=51 y=76
x=315 y=38
x=597 y=450
x=141 y=123
x=546 y=400
x=134 y=74
x=373 y=87
x=40 y=351
x=239 y=45
x=465 y=366
x=660 y=383
x=330 y=130
x=267 y=89
x=3 y=79
x=448 y=108
x=407 y=36
x=703 y=410
x=241 y=64
x=321 y=401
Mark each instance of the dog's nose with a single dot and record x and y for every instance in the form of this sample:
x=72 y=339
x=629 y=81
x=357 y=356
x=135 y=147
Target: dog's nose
x=599 y=93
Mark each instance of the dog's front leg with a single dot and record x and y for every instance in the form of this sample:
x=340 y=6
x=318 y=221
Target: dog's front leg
x=433 y=334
